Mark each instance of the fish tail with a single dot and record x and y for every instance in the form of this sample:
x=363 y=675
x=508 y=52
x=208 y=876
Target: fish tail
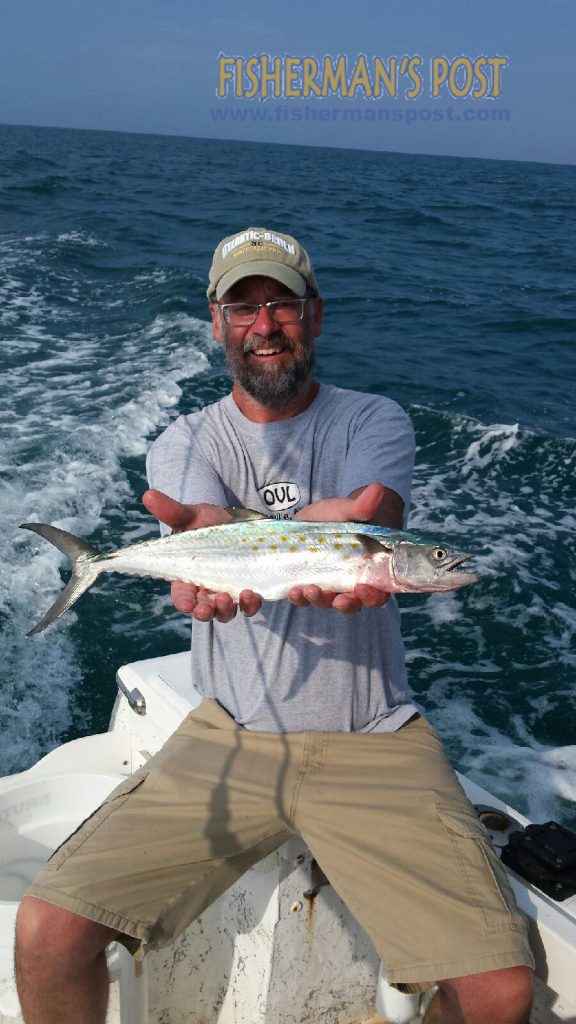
x=82 y=555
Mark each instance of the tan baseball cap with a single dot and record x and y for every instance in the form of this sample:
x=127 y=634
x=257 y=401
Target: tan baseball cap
x=258 y=251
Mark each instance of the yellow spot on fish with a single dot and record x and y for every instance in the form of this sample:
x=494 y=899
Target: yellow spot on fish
x=292 y=548
x=354 y=544
x=284 y=539
x=303 y=539
x=273 y=547
x=313 y=550
x=321 y=540
x=338 y=547
x=254 y=547
x=261 y=539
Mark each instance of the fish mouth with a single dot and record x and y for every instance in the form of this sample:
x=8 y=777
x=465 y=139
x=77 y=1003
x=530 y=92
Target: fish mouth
x=452 y=571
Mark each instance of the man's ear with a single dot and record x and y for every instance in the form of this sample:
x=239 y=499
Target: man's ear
x=216 y=316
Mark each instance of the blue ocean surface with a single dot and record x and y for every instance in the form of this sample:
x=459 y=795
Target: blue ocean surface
x=448 y=286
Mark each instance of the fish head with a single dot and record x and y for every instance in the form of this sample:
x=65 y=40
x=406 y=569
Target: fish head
x=429 y=567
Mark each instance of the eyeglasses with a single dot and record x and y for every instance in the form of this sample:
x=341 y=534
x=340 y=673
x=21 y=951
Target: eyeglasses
x=283 y=311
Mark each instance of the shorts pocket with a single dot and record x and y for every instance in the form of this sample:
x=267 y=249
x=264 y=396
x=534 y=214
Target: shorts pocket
x=484 y=877
x=90 y=824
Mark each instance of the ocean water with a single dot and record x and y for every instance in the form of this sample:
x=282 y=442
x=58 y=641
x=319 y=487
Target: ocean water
x=448 y=286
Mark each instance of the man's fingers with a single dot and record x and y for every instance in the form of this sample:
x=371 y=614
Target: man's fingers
x=205 y=605
x=303 y=597
x=358 y=507
x=364 y=596
x=348 y=604
x=369 y=596
x=373 y=503
x=366 y=504
x=317 y=597
x=183 y=517
x=224 y=608
x=296 y=596
x=249 y=602
x=211 y=606
x=203 y=612
x=183 y=596
x=167 y=510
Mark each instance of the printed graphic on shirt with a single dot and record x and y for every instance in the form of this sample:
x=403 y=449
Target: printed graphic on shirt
x=279 y=497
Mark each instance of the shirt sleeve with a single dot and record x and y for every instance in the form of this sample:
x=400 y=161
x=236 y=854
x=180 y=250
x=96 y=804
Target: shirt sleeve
x=381 y=448
x=176 y=465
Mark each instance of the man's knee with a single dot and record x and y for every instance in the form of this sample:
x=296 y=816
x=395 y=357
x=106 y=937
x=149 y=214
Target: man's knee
x=49 y=932
x=504 y=995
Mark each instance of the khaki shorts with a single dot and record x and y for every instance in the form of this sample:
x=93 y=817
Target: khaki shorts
x=382 y=813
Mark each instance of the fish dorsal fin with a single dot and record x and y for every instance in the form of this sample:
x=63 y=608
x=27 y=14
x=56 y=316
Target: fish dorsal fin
x=372 y=546
x=244 y=515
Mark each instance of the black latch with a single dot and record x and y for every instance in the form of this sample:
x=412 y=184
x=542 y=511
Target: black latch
x=544 y=855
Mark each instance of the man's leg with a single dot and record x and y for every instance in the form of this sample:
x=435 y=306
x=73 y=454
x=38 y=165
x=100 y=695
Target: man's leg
x=496 y=997
x=390 y=826
x=163 y=846
x=61 y=969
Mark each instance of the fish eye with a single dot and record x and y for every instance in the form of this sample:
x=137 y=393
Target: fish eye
x=439 y=554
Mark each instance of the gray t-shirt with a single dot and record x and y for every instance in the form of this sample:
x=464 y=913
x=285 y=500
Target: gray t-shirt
x=289 y=669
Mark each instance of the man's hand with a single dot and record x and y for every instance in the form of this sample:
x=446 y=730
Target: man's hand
x=203 y=605
x=373 y=503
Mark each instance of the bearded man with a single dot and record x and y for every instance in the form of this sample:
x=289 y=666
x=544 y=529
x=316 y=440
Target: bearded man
x=306 y=726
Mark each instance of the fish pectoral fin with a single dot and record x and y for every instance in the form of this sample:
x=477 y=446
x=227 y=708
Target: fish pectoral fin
x=244 y=515
x=372 y=546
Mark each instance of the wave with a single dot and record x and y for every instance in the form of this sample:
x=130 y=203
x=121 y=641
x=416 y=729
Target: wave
x=499 y=659
x=77 y=408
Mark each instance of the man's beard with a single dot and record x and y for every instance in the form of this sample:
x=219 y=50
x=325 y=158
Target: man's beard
x=273 y=386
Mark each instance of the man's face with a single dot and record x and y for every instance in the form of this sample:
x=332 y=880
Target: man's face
x=272 y=362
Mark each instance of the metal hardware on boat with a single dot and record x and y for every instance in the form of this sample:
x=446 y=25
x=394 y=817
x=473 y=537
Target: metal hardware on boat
x=318 y=879
x=134 y=697
x=494 y=819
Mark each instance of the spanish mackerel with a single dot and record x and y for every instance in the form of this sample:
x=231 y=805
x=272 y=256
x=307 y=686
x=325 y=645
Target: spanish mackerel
x=268 y=556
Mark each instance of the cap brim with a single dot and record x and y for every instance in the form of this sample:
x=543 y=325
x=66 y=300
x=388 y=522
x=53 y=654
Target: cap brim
x=262 y=268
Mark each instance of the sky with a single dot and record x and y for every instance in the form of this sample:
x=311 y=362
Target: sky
x=155 y=66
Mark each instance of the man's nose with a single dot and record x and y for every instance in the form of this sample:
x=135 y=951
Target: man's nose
x=264 y=323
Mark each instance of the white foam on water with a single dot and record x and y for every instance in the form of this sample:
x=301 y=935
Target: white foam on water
x=473 y=495
x=75 y=406
x=536 y=779
x=157 y=276
x=493 y=444
x=503 y=650
x=81 y=238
